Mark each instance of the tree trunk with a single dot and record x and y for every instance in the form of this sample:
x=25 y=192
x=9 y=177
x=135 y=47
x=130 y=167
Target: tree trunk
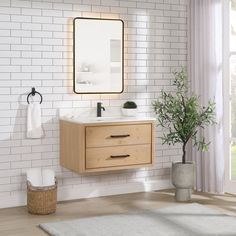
x=184 y=153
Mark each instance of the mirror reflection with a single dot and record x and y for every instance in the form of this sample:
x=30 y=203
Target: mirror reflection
x=98 y=55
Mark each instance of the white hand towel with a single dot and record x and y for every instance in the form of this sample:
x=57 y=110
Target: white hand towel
x=34 y=176
x=34 y=125
x=48 y=177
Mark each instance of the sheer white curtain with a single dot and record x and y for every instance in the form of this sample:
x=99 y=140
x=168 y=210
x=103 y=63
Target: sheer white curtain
x=205 y=69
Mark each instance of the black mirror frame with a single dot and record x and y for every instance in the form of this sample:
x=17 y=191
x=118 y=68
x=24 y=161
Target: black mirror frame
x=76 y=18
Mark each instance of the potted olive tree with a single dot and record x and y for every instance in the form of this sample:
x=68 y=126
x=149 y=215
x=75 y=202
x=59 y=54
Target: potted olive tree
x=182 y=116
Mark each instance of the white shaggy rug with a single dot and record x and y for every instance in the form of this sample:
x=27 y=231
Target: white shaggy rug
x=183 y=220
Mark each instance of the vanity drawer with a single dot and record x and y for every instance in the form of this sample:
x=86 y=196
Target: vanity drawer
x=103 y=136
x=118 y=156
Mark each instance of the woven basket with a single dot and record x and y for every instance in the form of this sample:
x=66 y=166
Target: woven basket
x=41 y=200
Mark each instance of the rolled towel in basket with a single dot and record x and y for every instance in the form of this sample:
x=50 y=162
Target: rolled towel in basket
x=34 y=176
x=48 y=177
x=41 y=177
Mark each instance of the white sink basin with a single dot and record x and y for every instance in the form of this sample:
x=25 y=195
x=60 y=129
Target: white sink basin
x=106 y=119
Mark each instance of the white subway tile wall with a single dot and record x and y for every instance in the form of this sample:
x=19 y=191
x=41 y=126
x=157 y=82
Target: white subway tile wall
x=36 y=51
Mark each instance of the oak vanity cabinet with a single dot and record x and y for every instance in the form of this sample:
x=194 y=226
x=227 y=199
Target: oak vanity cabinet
x=106 y=146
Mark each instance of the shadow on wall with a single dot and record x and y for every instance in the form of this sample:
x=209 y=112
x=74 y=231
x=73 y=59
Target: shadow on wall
x=70 y=55
x=31 y=153
x=28 y=153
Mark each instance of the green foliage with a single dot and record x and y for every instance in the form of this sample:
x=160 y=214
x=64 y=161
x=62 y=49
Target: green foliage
x=233 y=8
x=182 y=115
x=130 y=105
x=233 y=5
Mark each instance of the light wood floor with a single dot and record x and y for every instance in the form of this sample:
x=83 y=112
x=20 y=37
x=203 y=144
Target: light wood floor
x=16 y=221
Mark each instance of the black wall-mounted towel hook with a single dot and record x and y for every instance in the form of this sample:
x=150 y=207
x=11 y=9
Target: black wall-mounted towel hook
x=33 y=92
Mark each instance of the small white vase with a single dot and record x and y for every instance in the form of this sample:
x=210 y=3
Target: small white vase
x=129 y=111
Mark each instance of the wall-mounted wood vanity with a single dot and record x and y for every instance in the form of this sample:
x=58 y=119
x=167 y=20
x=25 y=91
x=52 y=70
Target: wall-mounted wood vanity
x=104 y=145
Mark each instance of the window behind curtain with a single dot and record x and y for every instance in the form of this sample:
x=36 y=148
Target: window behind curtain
x=233 y=86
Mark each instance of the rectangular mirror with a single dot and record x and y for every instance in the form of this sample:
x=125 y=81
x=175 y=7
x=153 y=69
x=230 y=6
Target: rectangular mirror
x=98 y=65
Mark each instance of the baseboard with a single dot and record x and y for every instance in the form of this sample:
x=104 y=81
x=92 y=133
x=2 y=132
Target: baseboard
x=78 y=192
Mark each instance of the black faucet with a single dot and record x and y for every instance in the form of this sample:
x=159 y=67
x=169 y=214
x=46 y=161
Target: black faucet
x=99 y=109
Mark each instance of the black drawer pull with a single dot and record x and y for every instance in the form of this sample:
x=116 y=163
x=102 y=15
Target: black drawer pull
x=120 y=136
x=119 y=156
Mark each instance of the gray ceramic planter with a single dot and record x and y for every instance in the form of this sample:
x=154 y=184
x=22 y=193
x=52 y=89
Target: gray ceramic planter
x=183 y=180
